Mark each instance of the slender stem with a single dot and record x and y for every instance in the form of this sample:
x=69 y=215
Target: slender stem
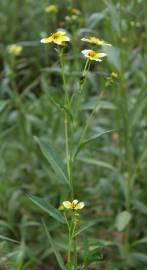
x=75 y=253
x=67 y=154
x=60 y=53
x=126 y=140
x=69 y=252
x=67 y=126
x=65 y=217
x=86 y=68
x=88 y=123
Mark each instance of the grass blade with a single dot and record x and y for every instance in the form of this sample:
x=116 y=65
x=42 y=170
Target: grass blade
x=55 y=250
x=46 y=207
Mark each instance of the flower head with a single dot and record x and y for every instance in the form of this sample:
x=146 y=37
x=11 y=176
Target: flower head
x=93 y=55
x=15 y=49
x=75 y=205
x=58 y=38
x=114 y=75
x=51 y=9
x=76 y=11
x=96 y=41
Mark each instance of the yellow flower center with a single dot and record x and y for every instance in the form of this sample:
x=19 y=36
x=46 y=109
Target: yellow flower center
x=92 y=54
x=56 y=36
x=74 y=204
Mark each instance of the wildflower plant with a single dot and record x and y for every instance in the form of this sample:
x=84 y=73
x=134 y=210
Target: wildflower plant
x=68 y=99
x=69 y=211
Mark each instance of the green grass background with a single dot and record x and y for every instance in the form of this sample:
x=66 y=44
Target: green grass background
x=111 y=170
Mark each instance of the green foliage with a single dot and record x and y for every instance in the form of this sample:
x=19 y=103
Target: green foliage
x=108 y=145
x=122 y=220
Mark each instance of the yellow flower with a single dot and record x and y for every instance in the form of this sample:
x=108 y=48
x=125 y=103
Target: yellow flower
x=15 y=49
x=51 y=8
x=58 y=38
x=93 y=55
x=114 y=75
x=96 y=41
x=76 y=11
x=75 y=205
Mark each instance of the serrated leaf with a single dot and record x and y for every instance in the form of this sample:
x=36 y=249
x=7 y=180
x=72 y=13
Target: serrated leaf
x=122 y=220
x=48 y=208
x=55 y=250
x=53 y=158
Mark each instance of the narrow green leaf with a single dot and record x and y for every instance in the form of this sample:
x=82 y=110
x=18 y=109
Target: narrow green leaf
x=95 y=18
x=140 y=206
x=138 y=256
x=8 y=239
x=92 y=139
x=53 y=158
x=55 y=250
x=85 y=226
x=3 y=103
x=46 y=207
x=96 y=162
x=140 y=241
x=122 y=220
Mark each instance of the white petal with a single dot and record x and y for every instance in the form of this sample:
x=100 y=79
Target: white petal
x=67 y=204
x=80 y=205
x=75 y=202
x=43 y=40
x=84 y=39
x=107 y=44
x=85 y=52
x=67 y=38
x=97 y=59
x=102 y=54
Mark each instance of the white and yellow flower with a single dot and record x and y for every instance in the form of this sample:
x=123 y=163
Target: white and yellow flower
x=51 y=9
x=74 y=205
x=96 y=41
x=59 y=38
x=93 y=55
x=15 y=49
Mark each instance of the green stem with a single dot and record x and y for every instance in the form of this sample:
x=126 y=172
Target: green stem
x=67 y=144
x=86 y=68
x=60 y=53
x=67 y=155
x=88 y=123
x=69 y=251
x=126 y=141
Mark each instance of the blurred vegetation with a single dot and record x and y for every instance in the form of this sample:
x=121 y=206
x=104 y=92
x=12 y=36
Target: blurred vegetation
x=110 y=172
